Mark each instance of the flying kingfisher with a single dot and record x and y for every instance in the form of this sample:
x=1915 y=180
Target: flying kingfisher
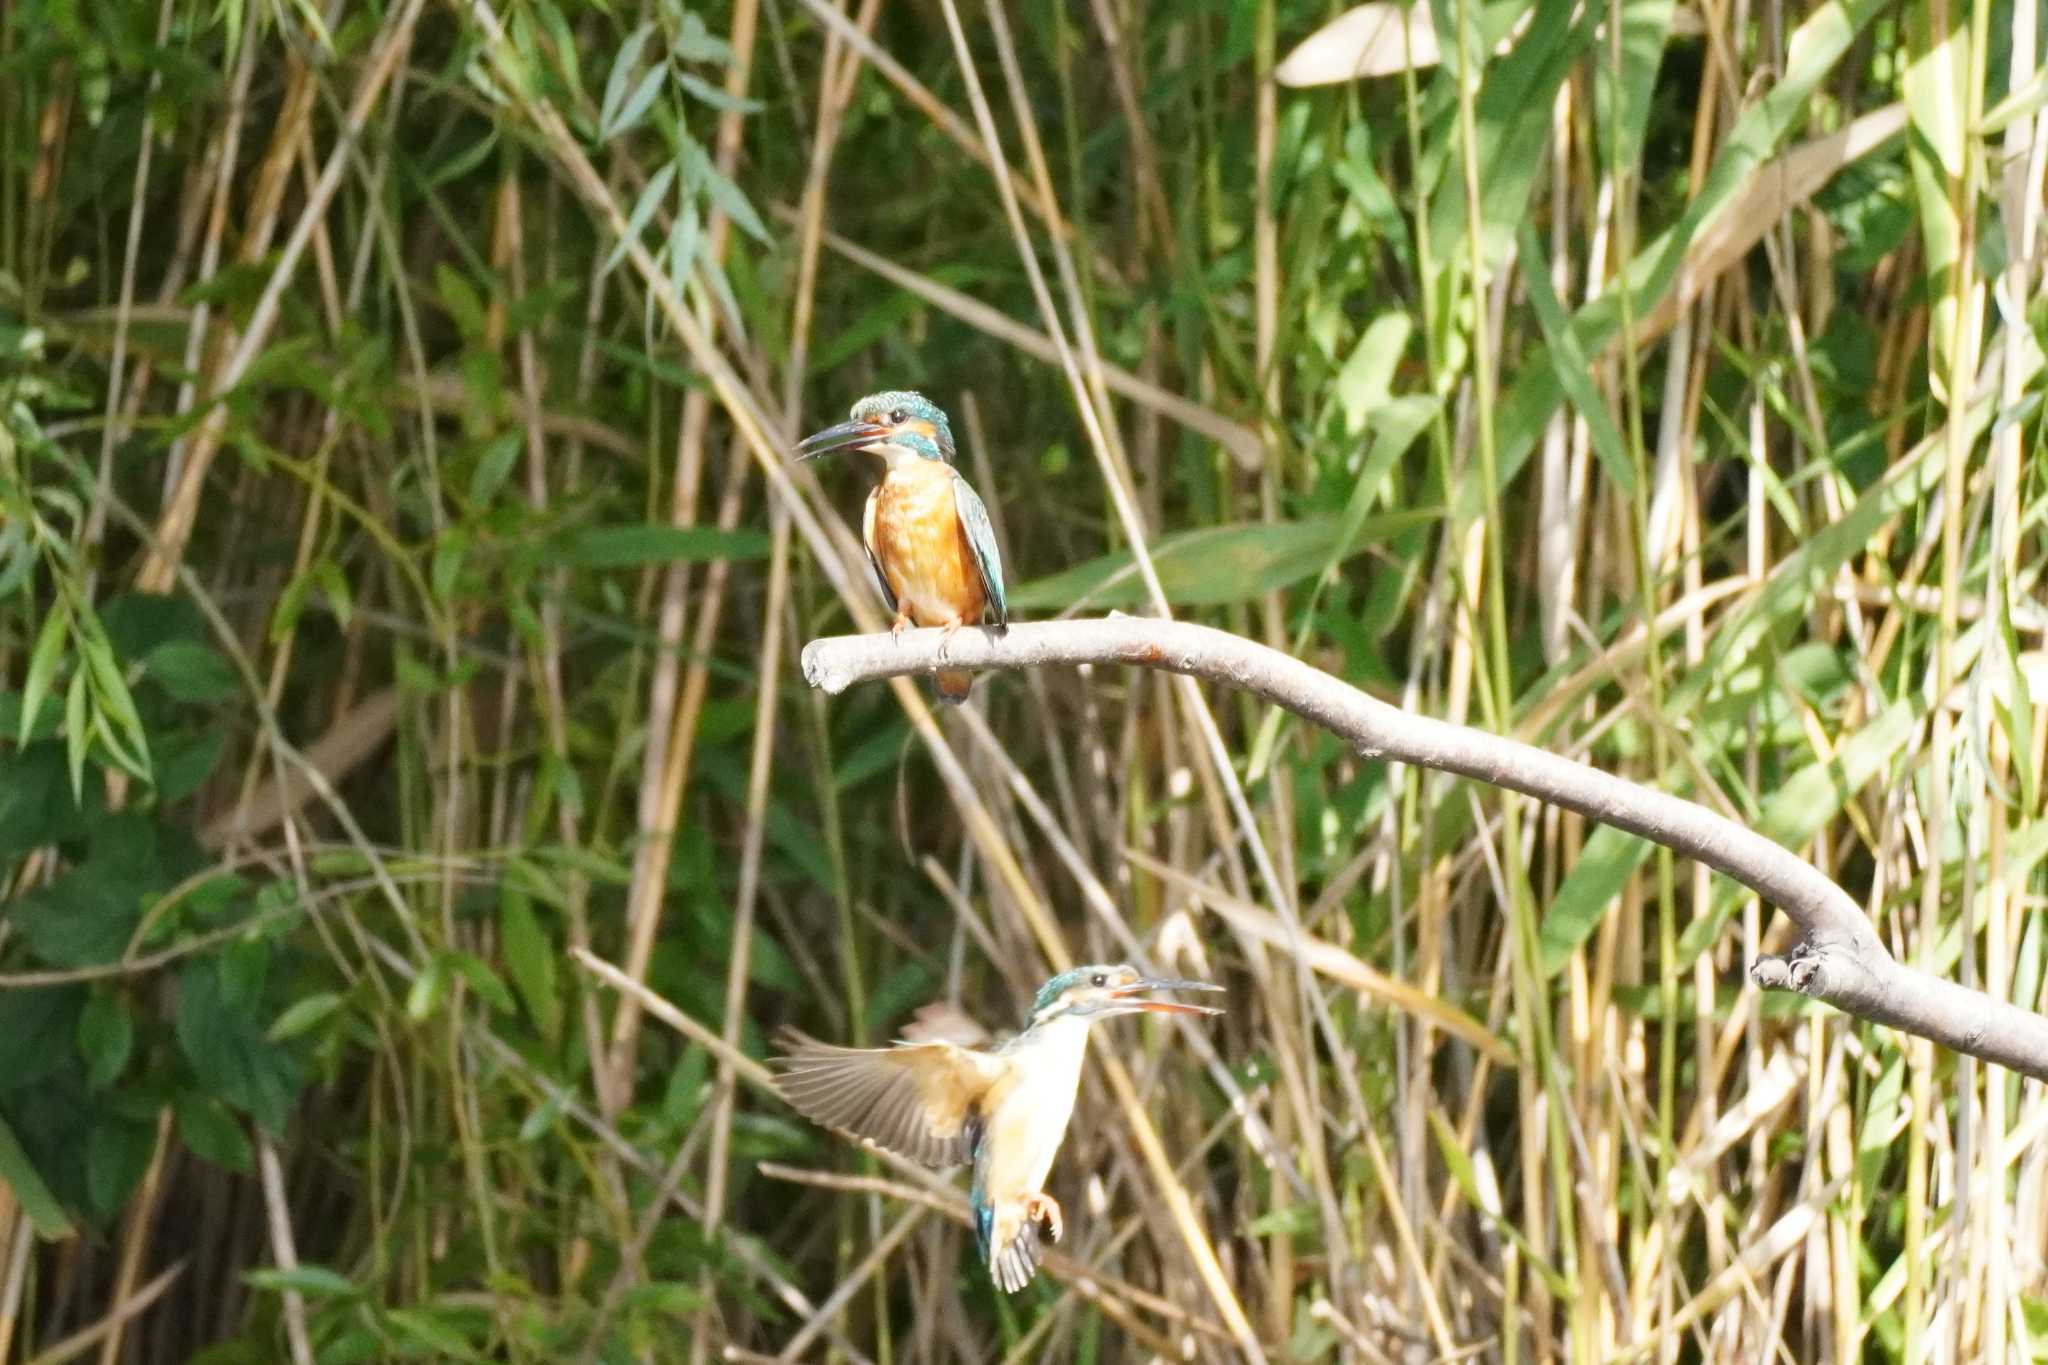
x=928 y=536
x=1005 y=1108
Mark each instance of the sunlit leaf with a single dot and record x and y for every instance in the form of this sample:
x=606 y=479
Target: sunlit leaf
x=1211 y=566
x=315 y=1281
x=42 y=666
x=621 y=78
x=643 y=211
x=1376 y=39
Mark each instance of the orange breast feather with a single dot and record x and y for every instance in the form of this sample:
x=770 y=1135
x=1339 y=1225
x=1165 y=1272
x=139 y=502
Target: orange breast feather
x=923 y=550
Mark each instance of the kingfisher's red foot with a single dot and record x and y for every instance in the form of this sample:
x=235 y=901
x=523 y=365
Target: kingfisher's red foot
x=901 y=624
x=1041 y=1207
x=951 y=628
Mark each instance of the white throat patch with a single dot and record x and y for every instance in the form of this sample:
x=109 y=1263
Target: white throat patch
x=896 y=456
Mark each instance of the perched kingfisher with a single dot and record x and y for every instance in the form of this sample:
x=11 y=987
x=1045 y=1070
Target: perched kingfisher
x=927 y=535
x=1005 y=1108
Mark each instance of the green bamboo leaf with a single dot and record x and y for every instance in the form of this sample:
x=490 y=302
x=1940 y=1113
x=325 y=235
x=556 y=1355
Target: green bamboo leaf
x=1815 y=794
x=1877 y=1148
x=461 y=163
x=1645 y=28
x=29 y=1189
x=636 y=105
x=1794 y=581
x=334 y=587
x=460 y=298
x=694 y=42
x=1605 y=864
x=530 y=959
x=627 y=547
x=303 y=1015
x=716 y=97
x=681 y=252
x=1574 y=372
x=437 y=1330
x=77 y=733
x=1364 y=384
x=2016 y=712
x=1510 y=146
x=482 y=980
x=643 y=210
x=444 y=569
x=1803 y=803
x=700 y=173
x=1816 y=46
x=123 y=730
x=493 y=466
x=42 y=666
x=1459 y=1163
x=621 y=77
x=427 y=989
x=1213 y=565
x=316 y=1281
x=1934 y=81
x=536 y=1125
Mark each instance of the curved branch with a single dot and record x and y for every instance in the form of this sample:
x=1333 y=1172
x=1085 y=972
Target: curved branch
x=1839 y=959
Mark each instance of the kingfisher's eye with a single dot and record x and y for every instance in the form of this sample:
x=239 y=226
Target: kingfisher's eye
x=1099 y=980
x=898 y=417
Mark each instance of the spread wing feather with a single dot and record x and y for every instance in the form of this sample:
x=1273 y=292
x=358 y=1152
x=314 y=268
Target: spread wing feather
x=920 y=1099
x=981 y=538
x=867 y=541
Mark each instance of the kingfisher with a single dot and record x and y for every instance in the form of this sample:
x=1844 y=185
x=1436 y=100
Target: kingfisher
x=928 y=536
x=1004 y=1109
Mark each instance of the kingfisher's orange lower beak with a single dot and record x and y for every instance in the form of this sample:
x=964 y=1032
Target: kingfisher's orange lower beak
x=1144 y=985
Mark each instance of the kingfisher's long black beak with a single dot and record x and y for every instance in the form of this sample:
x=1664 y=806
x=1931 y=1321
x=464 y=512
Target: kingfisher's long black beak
x=845 y=436
x=1128 y=995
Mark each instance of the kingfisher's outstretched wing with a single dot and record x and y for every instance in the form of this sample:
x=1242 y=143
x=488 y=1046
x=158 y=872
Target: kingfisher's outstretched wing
x=981 y=538
x=920 y=1099
x=867 y=542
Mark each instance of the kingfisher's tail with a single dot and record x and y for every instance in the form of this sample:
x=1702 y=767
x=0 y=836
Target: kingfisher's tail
x=953 y=685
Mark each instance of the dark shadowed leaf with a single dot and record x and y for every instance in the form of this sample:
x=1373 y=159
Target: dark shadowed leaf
x=190 y=671
x=226 y=1046
x=37 y=1026
x=106 y=1036
x=530 y=960
x=626 y=547
x=117 y=1151
x=205 y=1126
x=29 y=1188
x=36 y=803
x=185 y=759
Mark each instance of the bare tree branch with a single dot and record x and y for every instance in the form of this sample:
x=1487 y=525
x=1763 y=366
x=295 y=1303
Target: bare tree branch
x=1839 y=960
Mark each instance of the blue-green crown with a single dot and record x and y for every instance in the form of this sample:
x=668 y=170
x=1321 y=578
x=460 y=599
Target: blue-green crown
x=1051 y=991
x=906 y=411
